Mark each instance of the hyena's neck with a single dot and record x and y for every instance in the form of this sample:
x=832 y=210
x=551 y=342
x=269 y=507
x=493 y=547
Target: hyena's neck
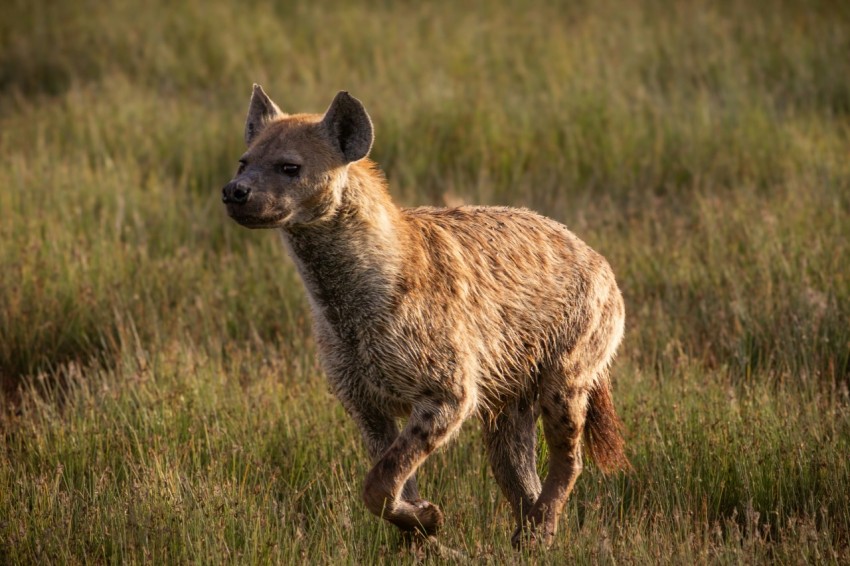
x=351 y=263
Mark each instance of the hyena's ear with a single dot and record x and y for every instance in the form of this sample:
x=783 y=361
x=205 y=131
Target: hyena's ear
x=261 y=112
x=349 y=126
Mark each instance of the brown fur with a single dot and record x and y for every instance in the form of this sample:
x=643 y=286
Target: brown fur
x=438 y=314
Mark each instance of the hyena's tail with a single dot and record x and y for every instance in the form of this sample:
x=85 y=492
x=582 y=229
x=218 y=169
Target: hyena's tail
x=603 y=430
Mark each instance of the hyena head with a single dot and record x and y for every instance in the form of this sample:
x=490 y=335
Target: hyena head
x=296 y=166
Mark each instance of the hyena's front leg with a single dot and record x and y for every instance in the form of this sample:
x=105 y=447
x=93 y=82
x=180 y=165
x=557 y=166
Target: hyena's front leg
x=429 y=427
x=379 y=432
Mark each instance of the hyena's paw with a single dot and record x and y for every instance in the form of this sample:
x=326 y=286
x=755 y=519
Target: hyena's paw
x=428 y=516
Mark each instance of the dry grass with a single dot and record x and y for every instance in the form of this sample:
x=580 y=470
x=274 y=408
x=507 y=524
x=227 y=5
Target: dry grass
x=163 y=399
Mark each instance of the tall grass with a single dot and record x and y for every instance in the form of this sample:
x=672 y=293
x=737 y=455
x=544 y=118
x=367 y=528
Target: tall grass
x=163 y=402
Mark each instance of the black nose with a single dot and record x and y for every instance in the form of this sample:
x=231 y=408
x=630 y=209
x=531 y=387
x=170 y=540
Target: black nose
x=235 y=193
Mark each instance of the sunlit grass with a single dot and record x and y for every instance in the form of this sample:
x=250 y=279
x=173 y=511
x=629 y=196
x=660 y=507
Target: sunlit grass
x=163 y=401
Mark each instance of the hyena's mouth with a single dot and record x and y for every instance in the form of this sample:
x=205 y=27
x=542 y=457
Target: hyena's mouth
x=250 y=221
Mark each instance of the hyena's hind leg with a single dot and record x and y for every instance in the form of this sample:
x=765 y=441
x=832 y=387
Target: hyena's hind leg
x=578 y=405
x=563 y=408
x=511 y=440
x=575 y=399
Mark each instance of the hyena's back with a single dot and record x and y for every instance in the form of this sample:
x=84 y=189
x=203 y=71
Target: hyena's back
x=515 y=292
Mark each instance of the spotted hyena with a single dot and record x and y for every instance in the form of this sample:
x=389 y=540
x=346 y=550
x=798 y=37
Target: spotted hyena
x=438 y=314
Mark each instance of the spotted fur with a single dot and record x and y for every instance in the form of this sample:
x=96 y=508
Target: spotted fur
x=437 y=314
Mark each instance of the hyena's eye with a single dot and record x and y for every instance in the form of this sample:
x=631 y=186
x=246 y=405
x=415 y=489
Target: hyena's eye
x=242 y=166
x=288 y=169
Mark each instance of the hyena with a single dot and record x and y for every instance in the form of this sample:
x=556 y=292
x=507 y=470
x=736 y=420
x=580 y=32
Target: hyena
x=436 y=314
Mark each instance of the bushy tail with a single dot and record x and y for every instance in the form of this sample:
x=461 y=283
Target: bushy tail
x=603 y=430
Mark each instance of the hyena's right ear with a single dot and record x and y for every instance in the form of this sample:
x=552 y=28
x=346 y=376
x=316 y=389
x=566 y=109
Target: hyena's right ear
x=261 y=112
x=349 y=126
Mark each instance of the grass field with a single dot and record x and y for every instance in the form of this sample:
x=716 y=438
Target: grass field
x=162 y=400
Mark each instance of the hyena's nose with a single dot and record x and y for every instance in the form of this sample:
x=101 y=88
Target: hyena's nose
x=235 y=193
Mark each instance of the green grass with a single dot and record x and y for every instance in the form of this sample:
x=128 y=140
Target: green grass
x=162 y=398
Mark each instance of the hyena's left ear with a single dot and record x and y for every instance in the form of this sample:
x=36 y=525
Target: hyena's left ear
x=261 y=112
x=349 y=126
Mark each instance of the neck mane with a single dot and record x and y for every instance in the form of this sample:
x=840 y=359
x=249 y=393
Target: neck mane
x=351 y=262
